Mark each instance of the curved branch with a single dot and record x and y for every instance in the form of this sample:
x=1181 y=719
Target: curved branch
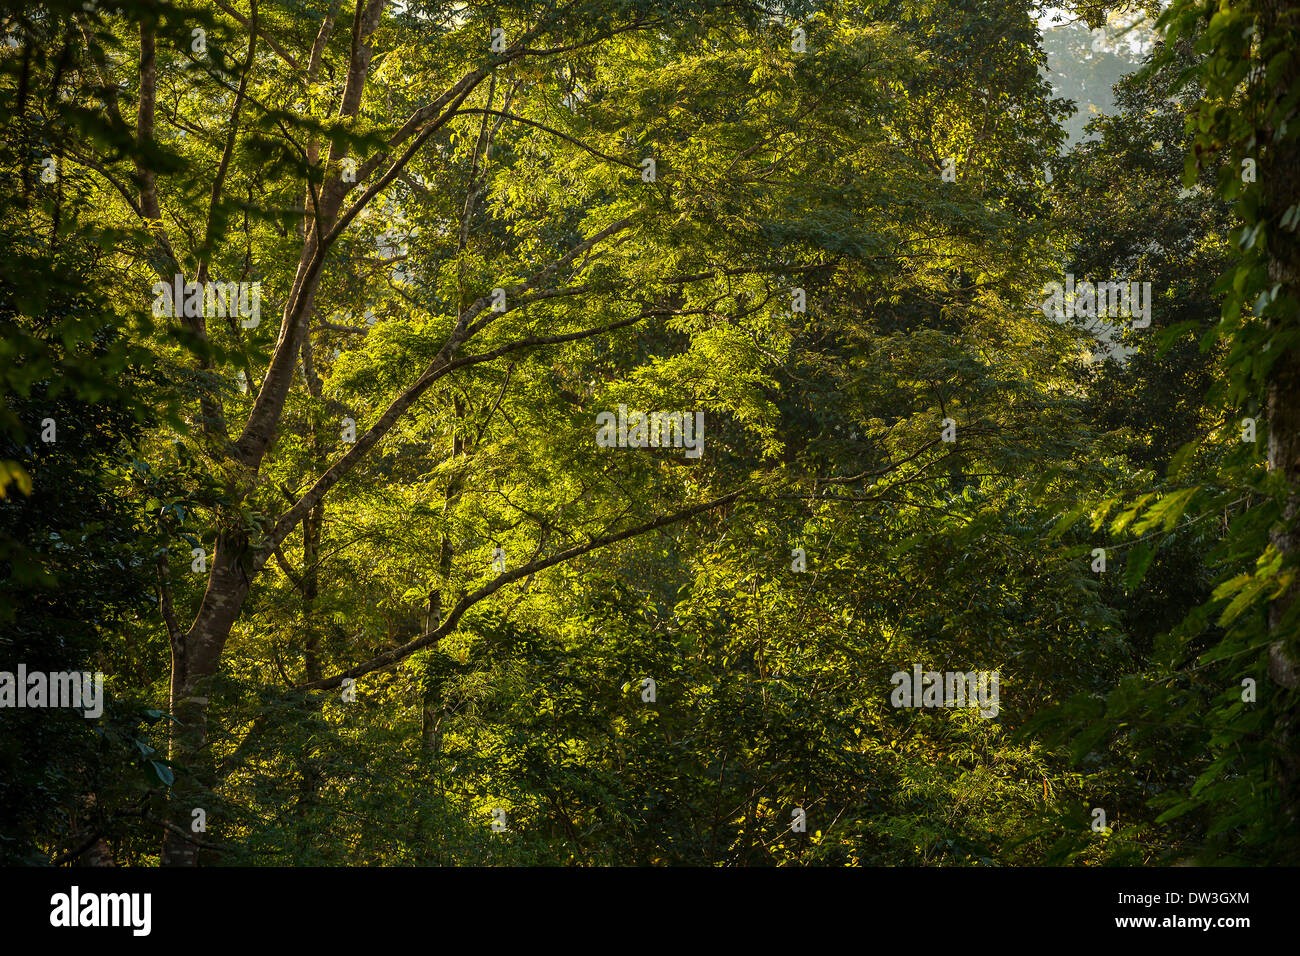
x=289 y=520
x=464 y=604
x=546 y=129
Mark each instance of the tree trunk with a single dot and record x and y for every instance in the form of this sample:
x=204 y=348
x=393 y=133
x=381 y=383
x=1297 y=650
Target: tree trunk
x=431 y=705
x=1280 y=181
x=195 y=657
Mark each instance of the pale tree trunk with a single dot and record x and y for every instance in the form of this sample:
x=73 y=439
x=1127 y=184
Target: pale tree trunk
x=311 y=531
x=195 y=658
x=197 y=653
x=309 y=785
x=431 y=709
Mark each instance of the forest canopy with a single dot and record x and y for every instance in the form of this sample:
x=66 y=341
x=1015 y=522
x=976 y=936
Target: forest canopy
x=647 y=432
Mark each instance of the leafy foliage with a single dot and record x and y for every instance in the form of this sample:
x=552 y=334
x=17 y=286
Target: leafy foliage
x=367 y=587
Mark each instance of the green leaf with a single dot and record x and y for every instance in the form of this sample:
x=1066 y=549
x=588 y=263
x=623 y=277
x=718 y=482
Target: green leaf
x=164 y=772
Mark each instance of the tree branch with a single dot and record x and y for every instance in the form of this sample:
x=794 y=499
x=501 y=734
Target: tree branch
x=232 y=134
x=546 y=129
x=289 y=520
x=449 y=623
x=254 y=31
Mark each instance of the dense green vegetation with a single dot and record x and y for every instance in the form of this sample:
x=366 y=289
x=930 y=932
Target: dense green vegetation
x=369 y=586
